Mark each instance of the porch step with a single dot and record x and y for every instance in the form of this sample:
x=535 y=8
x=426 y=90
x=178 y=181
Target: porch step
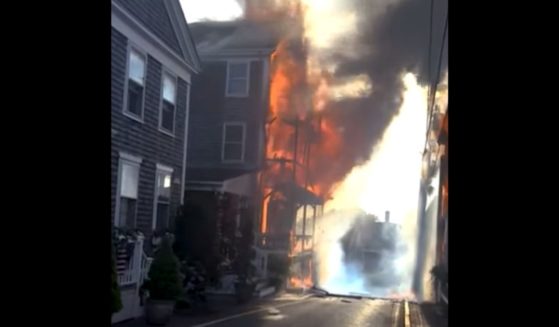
x=121 y=259
x=261 y=285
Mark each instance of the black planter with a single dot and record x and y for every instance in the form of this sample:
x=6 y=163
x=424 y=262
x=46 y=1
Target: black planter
x=159 y=312
x=244 y=292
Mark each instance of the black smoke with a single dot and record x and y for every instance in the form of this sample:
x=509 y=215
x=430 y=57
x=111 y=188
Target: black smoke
x=389 y=44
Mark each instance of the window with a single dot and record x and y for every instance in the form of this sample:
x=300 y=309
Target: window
x=233 y=149
x=168 y=103
x=134 y=102
x=237 y=79
x=129 y=171
x=162 y=199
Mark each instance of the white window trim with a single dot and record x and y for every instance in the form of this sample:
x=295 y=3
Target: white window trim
x=130 y=160
x=165 y=169
x=243 y=125
x=185 y=143
x=237 y=95
x=128 y=114
x=161 y=129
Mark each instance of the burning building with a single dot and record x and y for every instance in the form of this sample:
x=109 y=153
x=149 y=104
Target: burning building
x=253 y=129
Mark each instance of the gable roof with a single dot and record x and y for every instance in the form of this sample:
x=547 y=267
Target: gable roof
x=182 y=30
x=215 y=37
x=165 y=19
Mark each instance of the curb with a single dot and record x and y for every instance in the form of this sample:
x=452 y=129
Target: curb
x=266 y=291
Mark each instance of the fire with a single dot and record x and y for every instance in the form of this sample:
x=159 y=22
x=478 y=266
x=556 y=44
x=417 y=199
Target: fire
x=264 y=224
x=296 y=245
x=305 y=282
x=303 y=142
x=297 y=282
x=300 y=93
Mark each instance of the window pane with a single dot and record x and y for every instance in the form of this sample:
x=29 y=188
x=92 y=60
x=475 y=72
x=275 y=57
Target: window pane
x=135 y=98
x=129 y=181
x=168 y=116
x=136 y=68
x=162 y=221
x=237 y=86
x=232 y=151
x=164 y=185
x=233 y=133
x=127 y=212
x=169 y=88
x=238 y=70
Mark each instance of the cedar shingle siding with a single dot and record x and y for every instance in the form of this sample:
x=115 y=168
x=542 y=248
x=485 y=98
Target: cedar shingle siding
x=144 y=139
x=210 y=108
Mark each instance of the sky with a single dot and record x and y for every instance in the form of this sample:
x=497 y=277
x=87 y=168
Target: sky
x=196 y=10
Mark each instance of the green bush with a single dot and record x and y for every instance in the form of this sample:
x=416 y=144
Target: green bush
x=116 y=303
x=165 y=279
x=196 y=239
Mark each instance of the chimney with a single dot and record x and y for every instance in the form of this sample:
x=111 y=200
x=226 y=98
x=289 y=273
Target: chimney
x=387 y=216
x=254 y=9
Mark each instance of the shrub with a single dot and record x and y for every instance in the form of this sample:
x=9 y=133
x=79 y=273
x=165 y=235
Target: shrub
x=165 y=278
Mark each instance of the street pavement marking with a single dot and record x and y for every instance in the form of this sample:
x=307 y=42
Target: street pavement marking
x=406 y=314
x=213 y=322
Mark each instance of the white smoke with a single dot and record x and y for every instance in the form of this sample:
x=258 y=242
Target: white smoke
x=395 y=269
x=333 y=275
x=388 y=181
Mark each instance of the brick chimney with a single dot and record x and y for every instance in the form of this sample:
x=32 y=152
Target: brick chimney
x=387 y=216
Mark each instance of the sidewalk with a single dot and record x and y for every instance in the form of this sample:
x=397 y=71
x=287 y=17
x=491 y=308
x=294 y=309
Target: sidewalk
x=434 y=315
x=217 y=309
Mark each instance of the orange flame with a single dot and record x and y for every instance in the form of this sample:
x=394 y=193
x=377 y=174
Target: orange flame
x=264 y=225
x=300 y=93
x=296 y=244
x=305 y=282
x=298 y=97
x=297 y=282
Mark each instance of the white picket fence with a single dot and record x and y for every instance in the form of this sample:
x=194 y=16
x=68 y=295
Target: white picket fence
x=130 y=280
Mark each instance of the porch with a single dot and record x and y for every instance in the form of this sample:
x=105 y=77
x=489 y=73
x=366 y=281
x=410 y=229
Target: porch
x=132 y=268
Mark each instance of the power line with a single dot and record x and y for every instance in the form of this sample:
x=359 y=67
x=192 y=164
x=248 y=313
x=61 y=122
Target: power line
x=429 y=55
x=438 y=76
x=431 y=98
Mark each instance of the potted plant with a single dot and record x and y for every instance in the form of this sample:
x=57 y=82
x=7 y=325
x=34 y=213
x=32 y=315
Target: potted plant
x=163 y=285
x=244 y=289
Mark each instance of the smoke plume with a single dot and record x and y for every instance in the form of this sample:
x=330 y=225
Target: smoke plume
x=392 y=39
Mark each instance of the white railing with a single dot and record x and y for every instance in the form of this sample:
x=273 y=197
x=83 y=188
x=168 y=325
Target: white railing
x=138 y=266
x=126 y=278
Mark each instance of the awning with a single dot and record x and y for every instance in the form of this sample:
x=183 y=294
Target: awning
x=300 y=195
x=244 y=185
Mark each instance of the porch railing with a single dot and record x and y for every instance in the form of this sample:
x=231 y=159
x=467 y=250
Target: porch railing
x=138 y=266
